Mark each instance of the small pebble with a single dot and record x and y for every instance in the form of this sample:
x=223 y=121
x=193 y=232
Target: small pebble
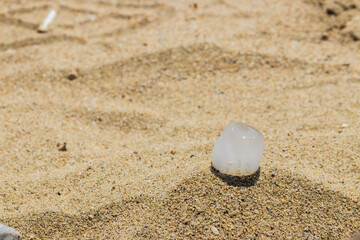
x=72 y=76
x=62 y=148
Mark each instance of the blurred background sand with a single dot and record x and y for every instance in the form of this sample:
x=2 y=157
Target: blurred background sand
x=140 y=90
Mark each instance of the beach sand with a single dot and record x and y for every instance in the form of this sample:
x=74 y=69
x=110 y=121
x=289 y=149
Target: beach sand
x=140 y=90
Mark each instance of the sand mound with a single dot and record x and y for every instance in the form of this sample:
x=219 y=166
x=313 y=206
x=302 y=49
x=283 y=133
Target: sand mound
x=277 y=205
x=265 y=209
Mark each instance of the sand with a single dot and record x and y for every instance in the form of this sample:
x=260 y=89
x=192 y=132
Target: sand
x=140 y=90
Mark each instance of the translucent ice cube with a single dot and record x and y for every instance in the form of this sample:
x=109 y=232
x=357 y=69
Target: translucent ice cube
x=238 y=150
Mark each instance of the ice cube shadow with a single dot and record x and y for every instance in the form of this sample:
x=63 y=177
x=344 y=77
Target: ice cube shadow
x=237 y=181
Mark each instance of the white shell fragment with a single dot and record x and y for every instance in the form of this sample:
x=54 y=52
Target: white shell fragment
x=214 y=230
x=47 y=21
x=8 y=233
x=238 y=150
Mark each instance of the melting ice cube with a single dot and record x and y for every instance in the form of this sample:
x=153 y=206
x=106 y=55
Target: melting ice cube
x=238 y=150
